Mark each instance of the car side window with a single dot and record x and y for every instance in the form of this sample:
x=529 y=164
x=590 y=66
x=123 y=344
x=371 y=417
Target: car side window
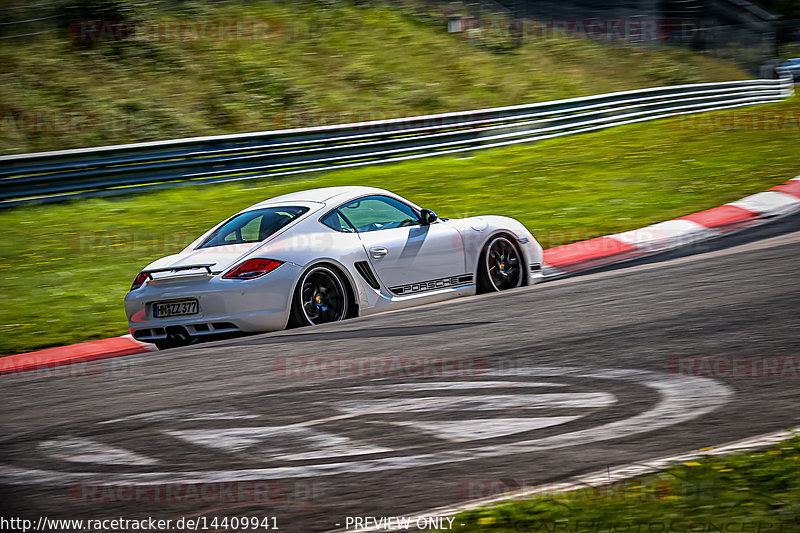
x=335 y=220
x=250 y=231
x=374 y=213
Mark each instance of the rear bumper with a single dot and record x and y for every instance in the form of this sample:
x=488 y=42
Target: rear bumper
x=224 y=306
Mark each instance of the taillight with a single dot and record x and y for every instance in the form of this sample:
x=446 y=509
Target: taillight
x=139 y=281
x=252 y=268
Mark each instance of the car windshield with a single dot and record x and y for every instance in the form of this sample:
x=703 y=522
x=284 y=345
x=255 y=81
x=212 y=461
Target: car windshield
x=253 y=226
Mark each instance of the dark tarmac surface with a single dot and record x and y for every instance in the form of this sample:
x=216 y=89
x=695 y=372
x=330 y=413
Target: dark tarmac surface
x=551 y=381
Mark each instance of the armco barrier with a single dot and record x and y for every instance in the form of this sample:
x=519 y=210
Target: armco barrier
x=51 y=176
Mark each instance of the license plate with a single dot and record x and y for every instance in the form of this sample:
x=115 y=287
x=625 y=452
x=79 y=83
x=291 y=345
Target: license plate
x=176 y=308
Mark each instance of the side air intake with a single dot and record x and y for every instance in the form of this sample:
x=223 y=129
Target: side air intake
x=366 y=273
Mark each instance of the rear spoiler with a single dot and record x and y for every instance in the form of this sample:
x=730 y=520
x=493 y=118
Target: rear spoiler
x=150 y=271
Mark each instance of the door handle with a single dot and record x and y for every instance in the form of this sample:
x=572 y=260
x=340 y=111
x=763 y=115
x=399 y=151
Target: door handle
x=378 y=252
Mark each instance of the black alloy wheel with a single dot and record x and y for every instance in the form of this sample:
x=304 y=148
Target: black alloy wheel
x=501 y=267
x=321 y=297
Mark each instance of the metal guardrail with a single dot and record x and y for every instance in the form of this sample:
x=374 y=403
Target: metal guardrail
x=60 y=175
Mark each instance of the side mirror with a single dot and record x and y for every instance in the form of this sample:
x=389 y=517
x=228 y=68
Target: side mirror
x=426 y=216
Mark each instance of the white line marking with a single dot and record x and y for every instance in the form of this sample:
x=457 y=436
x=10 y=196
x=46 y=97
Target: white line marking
x=232 y=439
x=681 y=399
x=278 y=442
x=478 y=403
x=183 y=415
x=81 y=450
x=452 y=385
x=483 y=428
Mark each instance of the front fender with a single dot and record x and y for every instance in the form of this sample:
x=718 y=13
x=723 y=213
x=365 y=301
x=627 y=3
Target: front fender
x=478 y=231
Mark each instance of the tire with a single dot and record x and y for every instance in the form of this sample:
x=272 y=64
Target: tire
x=501 y=266
x=321 y=297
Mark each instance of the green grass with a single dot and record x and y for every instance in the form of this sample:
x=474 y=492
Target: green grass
x=326 y=64
x=754 y=491
x=65 y=268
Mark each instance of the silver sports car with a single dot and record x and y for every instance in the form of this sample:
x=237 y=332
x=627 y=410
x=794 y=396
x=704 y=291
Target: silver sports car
x=324 y=255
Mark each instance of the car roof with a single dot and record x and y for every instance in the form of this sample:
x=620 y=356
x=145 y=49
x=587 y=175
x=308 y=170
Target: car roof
x=322 y=195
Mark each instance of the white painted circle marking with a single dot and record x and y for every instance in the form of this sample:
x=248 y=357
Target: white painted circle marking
x=680 y=399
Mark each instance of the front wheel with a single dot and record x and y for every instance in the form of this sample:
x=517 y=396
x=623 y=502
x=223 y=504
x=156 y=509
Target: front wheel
x=500 y=266
x=320 y=298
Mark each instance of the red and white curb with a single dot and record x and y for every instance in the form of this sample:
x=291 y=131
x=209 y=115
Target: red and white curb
x=749 y=211
x=83 y=352
x=605 y=477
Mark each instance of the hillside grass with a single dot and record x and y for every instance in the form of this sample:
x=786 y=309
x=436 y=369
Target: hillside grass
x=65 y=268
x=321 y=63
x=750 y=491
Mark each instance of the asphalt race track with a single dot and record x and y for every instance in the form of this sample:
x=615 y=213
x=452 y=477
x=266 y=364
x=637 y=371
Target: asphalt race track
x=315 y=425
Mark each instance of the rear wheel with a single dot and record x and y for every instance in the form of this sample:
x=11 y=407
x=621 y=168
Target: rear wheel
x=501 y=266
x=321 y=297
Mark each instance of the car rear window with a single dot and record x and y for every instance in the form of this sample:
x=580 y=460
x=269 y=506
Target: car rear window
x=253 y=226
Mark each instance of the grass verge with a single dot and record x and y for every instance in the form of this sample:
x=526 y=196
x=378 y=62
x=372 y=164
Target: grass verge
x=318 y=63
x=752 y=492
x=65 y=268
